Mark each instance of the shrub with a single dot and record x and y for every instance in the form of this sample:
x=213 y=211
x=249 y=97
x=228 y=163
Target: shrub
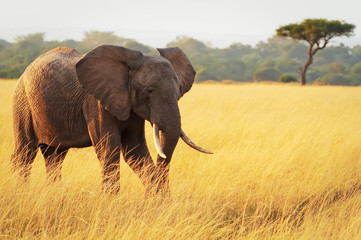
x=285 y=78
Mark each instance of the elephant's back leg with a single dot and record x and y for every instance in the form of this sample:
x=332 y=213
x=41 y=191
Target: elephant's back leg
x=26 y=142
x=54 y=158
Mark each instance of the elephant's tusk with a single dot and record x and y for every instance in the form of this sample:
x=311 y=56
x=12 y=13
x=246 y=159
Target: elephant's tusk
x=192 y=144
x=157 y=142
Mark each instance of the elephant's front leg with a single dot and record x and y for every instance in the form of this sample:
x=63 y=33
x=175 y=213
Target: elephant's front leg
x=136 y=154
x=108 y=151
x=107 y=148
x=104 y=134
x=160 y=178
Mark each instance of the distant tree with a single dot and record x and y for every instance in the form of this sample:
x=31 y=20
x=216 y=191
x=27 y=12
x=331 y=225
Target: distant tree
x=95 y=38
x=356 y=74
x=356 y=51
x=3 y=44
x=14 y=58
x=315 y=73
x=337 y=67
x=287 y=65
x=356 y=69
x=332 y=78
x=190 y=46
x=297 y=52
x=252 y=62
x=269 y=49
x=341 y=54
x=266 y=74
x=70 y=43
x=268 y=62
x=236 y=50
x=317 y=33
x=130 y=43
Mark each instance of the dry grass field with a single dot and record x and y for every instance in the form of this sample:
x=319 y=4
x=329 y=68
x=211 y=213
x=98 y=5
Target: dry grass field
x=287 y=165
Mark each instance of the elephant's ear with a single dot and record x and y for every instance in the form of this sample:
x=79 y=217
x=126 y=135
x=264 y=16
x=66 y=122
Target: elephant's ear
x=104 y=73
x=181 y=65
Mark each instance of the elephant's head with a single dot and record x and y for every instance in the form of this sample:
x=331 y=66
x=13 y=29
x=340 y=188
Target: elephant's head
x=125 y=80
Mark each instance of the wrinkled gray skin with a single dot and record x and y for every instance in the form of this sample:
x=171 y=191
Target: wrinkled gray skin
x=66 y=99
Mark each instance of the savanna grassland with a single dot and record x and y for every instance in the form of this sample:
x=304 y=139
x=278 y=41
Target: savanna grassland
x=287 y=165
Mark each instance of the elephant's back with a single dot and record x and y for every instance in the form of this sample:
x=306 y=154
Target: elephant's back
x=53 y=69
x=54 y=94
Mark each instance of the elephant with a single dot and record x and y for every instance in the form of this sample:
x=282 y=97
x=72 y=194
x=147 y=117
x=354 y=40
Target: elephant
x=66 y=99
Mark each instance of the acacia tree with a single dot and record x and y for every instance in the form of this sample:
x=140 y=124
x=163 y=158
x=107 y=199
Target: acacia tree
x=317 y=33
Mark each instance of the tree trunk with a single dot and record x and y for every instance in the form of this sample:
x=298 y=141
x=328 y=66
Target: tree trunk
x=303 y=71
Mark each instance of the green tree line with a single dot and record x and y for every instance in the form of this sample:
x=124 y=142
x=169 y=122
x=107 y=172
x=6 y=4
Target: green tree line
x=277 y=59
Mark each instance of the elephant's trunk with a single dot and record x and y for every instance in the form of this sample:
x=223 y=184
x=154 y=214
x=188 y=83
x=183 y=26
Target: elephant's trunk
x=169 y=135
x=170 y=129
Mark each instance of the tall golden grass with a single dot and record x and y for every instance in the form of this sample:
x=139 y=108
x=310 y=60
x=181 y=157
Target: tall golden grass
x=287 y=165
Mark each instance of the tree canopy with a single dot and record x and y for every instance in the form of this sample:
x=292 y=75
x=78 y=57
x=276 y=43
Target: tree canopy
x=316 y=30
x=317 y=33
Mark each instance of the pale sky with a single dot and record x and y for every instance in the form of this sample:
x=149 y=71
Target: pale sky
x=218 y=23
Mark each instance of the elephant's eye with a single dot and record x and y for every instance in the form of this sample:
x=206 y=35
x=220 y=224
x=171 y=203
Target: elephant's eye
x=150 y=90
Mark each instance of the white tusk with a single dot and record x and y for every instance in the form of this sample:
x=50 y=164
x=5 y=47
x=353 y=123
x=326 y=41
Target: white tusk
x=192 y=144
x=157 y=142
